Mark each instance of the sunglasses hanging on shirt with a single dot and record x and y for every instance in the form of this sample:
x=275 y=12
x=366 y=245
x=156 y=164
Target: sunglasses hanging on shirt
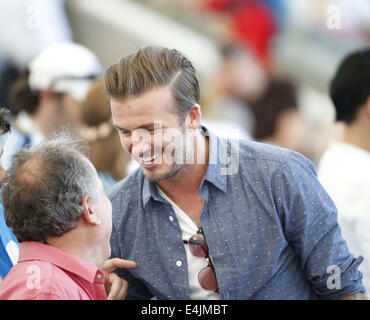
x=198 y=247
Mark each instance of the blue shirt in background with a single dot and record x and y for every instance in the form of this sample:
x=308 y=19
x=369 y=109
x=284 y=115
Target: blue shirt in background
x=107 y=180
x=271 y=229
x=9 y=247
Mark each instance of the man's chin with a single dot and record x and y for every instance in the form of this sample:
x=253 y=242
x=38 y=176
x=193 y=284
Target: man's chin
x=150 y=174
x=156 y=177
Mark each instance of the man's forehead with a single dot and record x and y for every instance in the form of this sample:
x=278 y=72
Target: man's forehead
x=147 y=119
x=150 y=100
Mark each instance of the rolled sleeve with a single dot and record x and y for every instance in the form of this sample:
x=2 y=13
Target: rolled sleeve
x=310 y=224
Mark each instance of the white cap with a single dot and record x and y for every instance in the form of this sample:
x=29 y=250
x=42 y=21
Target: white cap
x=66 y=68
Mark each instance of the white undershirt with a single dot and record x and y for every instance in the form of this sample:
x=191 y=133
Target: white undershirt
x=195 y=264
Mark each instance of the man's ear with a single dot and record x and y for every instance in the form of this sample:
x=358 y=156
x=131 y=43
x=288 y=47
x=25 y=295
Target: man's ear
x=194 y=116
x=89 y=213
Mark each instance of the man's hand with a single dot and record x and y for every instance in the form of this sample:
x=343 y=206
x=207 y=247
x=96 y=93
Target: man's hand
x=116 y=287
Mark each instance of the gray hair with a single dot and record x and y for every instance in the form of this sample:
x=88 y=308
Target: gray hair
x=45 y=187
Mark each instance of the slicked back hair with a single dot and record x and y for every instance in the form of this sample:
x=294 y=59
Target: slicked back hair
x=152 y=67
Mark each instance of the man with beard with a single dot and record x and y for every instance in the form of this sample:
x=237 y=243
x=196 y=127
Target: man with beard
x=208 y=218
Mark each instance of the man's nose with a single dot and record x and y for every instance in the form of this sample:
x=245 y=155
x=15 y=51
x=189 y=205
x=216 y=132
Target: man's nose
x=141 y=149
x=141 y=143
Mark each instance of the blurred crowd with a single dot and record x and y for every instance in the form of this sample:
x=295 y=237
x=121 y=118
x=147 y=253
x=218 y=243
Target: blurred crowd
x=48 y=81
x=246 y=91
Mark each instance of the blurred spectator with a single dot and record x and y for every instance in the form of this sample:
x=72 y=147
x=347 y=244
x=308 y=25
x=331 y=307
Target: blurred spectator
x=242 y=76
x=252 y=23
x=277 y=117
x=344 y=169
x=107 y=155
x=48 y=93
x=240 y=81
x=8 y=243
x=26 y=28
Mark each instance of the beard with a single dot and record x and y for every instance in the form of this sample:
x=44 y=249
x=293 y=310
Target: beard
x=174 y=170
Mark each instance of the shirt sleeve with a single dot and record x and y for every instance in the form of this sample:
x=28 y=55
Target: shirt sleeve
x=137 y=290
x=310 y=224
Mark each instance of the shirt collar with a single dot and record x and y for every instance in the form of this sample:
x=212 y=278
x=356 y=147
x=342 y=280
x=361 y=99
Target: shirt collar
x=30 y=250
x=212 y=175
x=217 y=151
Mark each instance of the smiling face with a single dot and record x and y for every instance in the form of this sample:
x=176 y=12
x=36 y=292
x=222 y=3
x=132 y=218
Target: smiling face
x=150 y=130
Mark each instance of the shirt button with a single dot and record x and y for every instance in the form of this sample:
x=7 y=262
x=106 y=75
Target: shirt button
x=171 y=218
x=98 y=276
x=178 y=263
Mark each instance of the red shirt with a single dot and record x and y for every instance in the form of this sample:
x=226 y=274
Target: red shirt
x=44 y=272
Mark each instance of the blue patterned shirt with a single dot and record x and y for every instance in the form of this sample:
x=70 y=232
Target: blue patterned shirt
x=271 y=229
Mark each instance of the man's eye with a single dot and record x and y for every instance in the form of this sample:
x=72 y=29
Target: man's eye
x=125 y=133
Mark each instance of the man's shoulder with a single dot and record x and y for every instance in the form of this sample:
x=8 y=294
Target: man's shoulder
x=263 y=151
x=253 y=154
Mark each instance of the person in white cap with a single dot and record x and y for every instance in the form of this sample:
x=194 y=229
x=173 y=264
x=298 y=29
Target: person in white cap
x=48 y=94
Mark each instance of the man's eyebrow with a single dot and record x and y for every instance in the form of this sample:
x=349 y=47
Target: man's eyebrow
x=147 y=126
x=119 y=128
